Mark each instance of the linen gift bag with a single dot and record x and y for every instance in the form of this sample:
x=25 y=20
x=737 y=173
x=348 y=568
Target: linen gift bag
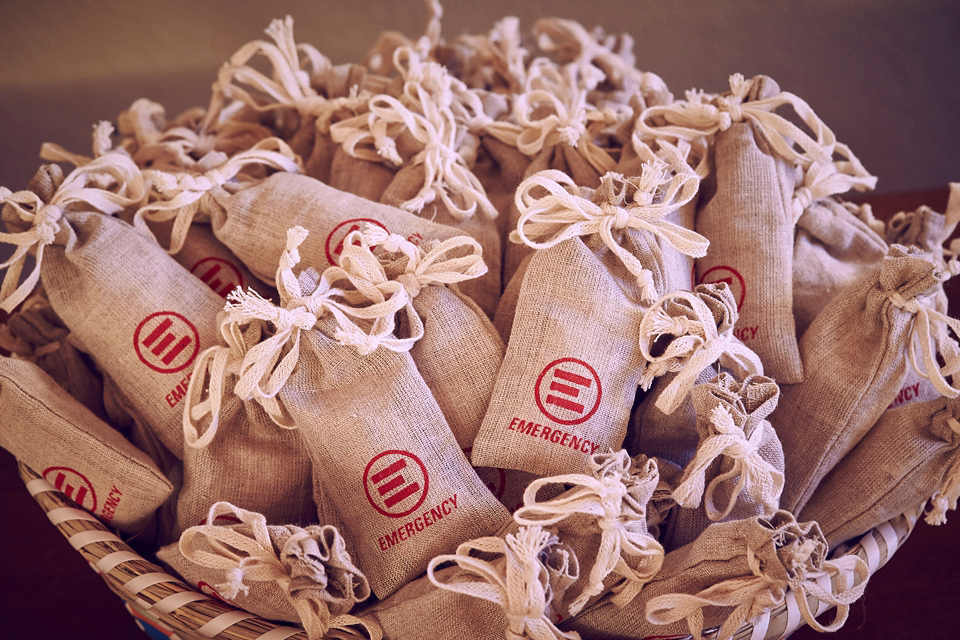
x=303 y=575
x=737 y=471
x=423 y=129
x=730 y=575
x=459 y=352
x=500 y=586
x=141 y=317
x=76 y=451
x=572 y=366
x=857 y=352
x=746 y=207
x=405 y=494
x=908 y=457
x=602 y=516
x=35 y=333
x=682 y=336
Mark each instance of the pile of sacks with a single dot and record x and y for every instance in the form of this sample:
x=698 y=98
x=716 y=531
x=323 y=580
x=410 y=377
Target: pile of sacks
x=484 y=337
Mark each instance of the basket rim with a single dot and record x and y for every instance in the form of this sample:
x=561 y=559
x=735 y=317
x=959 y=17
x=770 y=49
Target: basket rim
x=148 y=588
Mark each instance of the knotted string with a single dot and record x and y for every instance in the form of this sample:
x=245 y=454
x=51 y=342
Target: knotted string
x=946 y=496
x=693 y=119
x=644 y=202
x=253 y=558
x=753 y=595
x=181 y=196
x=929 y=335
x=616 y=495
x=696 y=344
x=107 y=185
x=822 y=180
x=763 y=481
x=517 y=581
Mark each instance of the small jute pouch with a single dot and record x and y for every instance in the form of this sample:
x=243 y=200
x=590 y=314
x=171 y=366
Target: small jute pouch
x=909 y=456
x=746 y=206
x=279 y=572
x=405 y=495
x=857 y=352
x=76 y=451
x=459 y=353
x=35 y=333
x=141 y=316
x=728 y=576
x=737 y=471
x=682 y=336
x=571 y=370
x=602 y=517
x=833 y=249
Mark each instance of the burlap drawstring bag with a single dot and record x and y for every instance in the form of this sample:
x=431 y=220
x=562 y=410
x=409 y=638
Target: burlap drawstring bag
x=747 y=204
x=909 y=456
x=690 y=332
x=459 y=353
x=833 y=249
x=857 y=352
x=602 y=516
x=737 y=471
x=141 y=316
x=278 y=572
x=728 y=576
x=35 y=333
x=571 y=370
x=554 y=125
x=404 y=495
x=524 y=574
x=75 y=451
x=424 y=129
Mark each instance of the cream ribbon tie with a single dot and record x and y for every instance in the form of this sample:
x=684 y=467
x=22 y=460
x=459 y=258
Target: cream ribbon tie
x=929 y=335
x=603 y=495
x=822 y=180
x=252 y=558
x=763 y=481
x=107 y=184
x=561 y=213
x=696 y=344
x=517 y=581
x=690 y=120
x=180 y=196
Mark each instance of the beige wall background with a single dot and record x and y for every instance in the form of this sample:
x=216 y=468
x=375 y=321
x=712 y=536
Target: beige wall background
x=883 y=74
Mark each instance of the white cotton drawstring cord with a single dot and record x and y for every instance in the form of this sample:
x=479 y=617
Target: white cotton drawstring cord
x=929 y=331
x=763 y=481
x=252 y=558
x=822 y=180
x=696 y=344
x=107 y=184
x=948 y=493
x=561 y=213
x=603 y=495
x=752 y=595
x=182 y=195
x=693 y=119
x=517 y=581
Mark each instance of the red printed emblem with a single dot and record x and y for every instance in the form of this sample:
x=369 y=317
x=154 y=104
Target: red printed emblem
x=218 y=274
x=733 y=279
x=166 y=342
x=568 y=391
x=334 y=244
x=74 y=484
x=396 y=483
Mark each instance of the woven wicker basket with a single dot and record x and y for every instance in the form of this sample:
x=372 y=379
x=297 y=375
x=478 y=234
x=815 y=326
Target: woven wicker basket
x=178 y=611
